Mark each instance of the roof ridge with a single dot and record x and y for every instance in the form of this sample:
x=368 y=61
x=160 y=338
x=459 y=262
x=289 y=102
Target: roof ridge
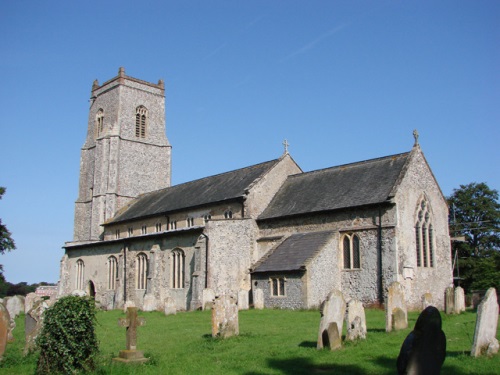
x=354 y=164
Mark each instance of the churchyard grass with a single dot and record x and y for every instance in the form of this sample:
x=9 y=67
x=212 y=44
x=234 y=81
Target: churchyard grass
x=270 y=342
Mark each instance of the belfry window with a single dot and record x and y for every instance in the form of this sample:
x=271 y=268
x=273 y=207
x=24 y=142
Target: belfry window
x=99 y=123
x=350 y=250
x=177 y=269
x=80 y=274
x=112 y=272
x=141 y=270
x=141 y=116
x=424 y=236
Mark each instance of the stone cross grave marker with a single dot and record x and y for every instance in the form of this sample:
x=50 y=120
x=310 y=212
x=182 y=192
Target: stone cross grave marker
x=131 y=322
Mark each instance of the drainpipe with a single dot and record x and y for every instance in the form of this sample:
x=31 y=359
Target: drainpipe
x=124 y=273
x=379 y=245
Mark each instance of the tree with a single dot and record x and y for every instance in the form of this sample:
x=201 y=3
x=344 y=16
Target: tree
x=6 y=241
x=475 y=215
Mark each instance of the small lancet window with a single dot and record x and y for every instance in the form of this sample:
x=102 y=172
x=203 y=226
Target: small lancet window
x=351 y=252
x=141 y=271
x=112 y=272
x=177 y=269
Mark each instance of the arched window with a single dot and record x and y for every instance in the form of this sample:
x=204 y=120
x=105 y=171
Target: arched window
x=177 y=269
x=351 y=252
x=141 y=116
x=99 y=122
x=141 y=270
x=80 y=274
x=112 y=272
x=424 y=236
x=228 y=214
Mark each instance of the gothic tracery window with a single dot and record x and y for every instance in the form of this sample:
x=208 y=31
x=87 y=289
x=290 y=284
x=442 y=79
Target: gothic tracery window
x=141 y=270
x=424 y=236
x=351 y=252
x=141 y=115
x=177 y=269
x=112 y=272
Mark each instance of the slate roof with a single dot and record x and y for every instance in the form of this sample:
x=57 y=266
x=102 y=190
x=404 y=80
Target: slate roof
x=350 y=185
x=295 y=252
x=208 y=190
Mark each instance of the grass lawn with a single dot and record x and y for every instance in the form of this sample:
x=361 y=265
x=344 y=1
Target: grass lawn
x=270 y=342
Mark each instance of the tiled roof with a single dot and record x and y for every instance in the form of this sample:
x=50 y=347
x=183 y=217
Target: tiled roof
x=350 y=185
x=208 y=190
x=294 y=252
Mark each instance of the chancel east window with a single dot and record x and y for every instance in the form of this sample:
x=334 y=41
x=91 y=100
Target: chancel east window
x=141 y=115
x=177 y=269
x=424 y=235
x=80 y=274
x=350 y=250
x=112 y=272
x=141 y=269
x=277 y=286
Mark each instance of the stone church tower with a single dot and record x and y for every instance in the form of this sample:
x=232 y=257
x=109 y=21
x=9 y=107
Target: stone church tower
x=126 y=152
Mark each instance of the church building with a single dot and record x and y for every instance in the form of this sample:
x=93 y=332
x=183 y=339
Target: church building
x=268 y=229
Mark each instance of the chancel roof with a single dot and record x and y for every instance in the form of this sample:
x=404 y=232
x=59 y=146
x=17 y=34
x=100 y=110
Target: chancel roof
x=208 y=190
x=350 y=185
x=294 y=252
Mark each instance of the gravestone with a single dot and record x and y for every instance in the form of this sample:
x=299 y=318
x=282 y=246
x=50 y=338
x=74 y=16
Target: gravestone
x=427 y=300
x=355 y=321
x=396 y=304
x=33 y=323
x=331 y=337
x=449 y=300
x=399 y=320
x=332 y=311
x=15 y=305
x=4 y=328
x=131 y=322
x=169 y=307
x=207 y=297
x=225 y=316
x=258 y=299
x=424 y=349
x=485 y=341
x=30 y=300
x=459 y=302
x=149 y=303
x=243 y=300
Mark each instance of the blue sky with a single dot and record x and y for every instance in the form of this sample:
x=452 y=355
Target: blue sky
x=342 y=81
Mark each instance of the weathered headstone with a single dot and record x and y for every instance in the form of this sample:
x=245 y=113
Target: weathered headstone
x=485 y=341
x=332 y=311
x=355 y=321
x=207 y=297
x=15 y=305
x=225 y=316
x=449 y=295
x=30 y=300
x=331 y=337
x=131 y=322
x=424 y=349
x=399 y=320
x=396 y=304
x=243 y=300
x=33 y=323
x=427 y=300
x=459 y=302
x=258 y=299
x=169 y=307
x=4 y=328
x=149 y=303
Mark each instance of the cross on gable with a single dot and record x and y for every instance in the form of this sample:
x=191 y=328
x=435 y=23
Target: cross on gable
x=286 y=144
x=131 y=322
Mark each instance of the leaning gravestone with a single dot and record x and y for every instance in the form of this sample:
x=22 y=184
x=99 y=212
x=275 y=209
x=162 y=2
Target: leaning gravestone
x=424 y=349
x=15 y=305
x=258 y=299
x=331 y=337
x=355 y=321
x=33 y=324
x=4 y=328
x=30 y=300
x=449 y=300
x=225 y=316
x=131 y=322
x=427 y=300
x=332 y=311
x=396 y=307
x=459 y=300
x=485 y=341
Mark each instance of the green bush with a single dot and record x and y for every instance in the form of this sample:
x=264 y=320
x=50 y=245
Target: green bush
x=68 y=342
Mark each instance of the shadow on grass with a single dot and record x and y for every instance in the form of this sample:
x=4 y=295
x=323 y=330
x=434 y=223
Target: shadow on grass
x=305 y=366
x=308 y=344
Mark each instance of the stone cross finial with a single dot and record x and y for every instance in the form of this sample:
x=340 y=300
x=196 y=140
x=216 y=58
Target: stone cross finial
x=415 y=135
x=132 y=321
x=286 y=144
